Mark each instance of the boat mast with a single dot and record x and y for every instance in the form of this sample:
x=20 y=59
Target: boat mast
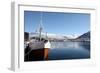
x=40 y=27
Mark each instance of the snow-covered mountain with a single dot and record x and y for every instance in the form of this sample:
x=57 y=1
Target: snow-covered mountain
x=53 y=36
x=84 y=37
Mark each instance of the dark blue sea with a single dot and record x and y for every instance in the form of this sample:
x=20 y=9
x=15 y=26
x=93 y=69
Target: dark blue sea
x=69 y=50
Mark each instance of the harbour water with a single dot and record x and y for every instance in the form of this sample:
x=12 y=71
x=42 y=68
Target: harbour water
x=69 y=50
x=60 y=51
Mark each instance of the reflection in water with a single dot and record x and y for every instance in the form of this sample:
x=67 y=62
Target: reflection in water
x=85 y=45
x=69 y=50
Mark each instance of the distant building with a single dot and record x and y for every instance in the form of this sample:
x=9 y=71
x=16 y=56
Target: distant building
x=26 y=36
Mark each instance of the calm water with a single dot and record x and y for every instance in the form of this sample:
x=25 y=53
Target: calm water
x=69 y=50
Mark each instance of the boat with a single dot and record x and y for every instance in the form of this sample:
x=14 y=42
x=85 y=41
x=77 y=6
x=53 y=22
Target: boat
x=39 y=47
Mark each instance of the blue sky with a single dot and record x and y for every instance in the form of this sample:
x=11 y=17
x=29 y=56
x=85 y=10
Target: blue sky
x=58 y=23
